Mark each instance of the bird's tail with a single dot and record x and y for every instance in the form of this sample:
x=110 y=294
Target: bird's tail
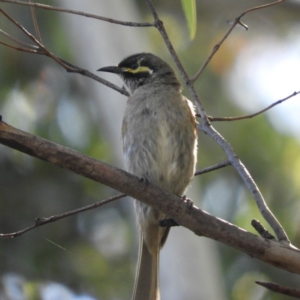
x=146 y=281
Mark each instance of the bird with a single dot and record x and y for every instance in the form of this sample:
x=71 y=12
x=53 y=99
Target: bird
x=160 y=146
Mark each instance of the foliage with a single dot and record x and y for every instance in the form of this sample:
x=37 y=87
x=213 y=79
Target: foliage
x=189 y=8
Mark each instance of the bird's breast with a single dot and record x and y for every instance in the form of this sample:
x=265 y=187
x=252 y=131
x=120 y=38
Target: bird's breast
x=159 y=139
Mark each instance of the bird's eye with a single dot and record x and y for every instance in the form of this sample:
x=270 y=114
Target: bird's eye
x=134 y=66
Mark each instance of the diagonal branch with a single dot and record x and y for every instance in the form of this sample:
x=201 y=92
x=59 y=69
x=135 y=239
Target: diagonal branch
x=205 y=126
x=213 y=51
x=17 y=40
x=234 y=23
x=35 y=22
x=212 y=168
x=260 y=7
x=280 y=289
x=80 y=13
x=41 y=49
x=213 y=119
x=249 y=182
x=191 y=217
x=160 y=26
x=28 y=50
x=38 y=43
x=43 y=221
x=17 y=48
x=216 y=136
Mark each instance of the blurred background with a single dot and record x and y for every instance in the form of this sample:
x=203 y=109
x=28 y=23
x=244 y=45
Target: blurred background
x=93 y=255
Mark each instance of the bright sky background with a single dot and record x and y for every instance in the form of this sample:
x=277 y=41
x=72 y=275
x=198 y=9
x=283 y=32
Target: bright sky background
x=267 y=70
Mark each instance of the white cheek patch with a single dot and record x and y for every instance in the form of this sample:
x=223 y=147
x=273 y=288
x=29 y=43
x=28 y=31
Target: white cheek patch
x=131 y=86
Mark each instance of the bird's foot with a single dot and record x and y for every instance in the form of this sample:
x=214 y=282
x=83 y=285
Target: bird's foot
x=189 y=202
x=144 y=179
x=168 y=223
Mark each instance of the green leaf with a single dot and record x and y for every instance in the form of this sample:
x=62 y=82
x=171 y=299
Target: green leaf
x=189 y=8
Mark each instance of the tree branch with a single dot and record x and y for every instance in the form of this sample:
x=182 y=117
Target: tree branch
x=42 y=221
x=263 y=232
x=18 y=41
x=20 y=48
x=249 y=182
x=160 y=26
x=216 y=136
x=191 y=217
x=75 y=12
x=35 y=22
x=42 y=50
x=213 y=119
x=280 y=289
x=212 y=168
x=234 y=23
x=213 y=52
x=205 y=126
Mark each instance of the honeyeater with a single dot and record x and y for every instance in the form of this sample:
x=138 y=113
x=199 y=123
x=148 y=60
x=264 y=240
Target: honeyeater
x=160 y=146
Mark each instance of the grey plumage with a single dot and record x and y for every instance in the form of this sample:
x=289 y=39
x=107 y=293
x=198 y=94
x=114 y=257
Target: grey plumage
x=160 y=145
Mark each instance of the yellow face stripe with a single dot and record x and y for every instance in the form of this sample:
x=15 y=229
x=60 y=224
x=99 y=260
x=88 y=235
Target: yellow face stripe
x=140 y=69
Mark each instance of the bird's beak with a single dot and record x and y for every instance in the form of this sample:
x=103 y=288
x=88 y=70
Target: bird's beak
x=111 y=69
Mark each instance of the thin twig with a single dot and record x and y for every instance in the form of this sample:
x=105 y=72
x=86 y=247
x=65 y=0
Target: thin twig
x=206 y=127
x=263 y=232
x=160 y=26
x=212 y=168
x=280 y=289
x=42 y=221
x=260 y=7
x=35 y=22
x=234 y=23
x=243 y=25
x=40 y=45
x=213 y=52
x=41 y=49
x=213 y=119
x=17 y=40
x=80 y=13
x=21 y=49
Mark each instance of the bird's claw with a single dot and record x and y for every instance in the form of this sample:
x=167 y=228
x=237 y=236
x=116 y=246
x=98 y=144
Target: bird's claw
x=168 y=223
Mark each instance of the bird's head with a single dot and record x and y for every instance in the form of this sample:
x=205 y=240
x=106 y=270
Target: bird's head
x=143 y=68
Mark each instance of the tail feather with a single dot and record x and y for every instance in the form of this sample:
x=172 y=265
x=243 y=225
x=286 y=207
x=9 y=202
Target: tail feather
x=146 y=283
